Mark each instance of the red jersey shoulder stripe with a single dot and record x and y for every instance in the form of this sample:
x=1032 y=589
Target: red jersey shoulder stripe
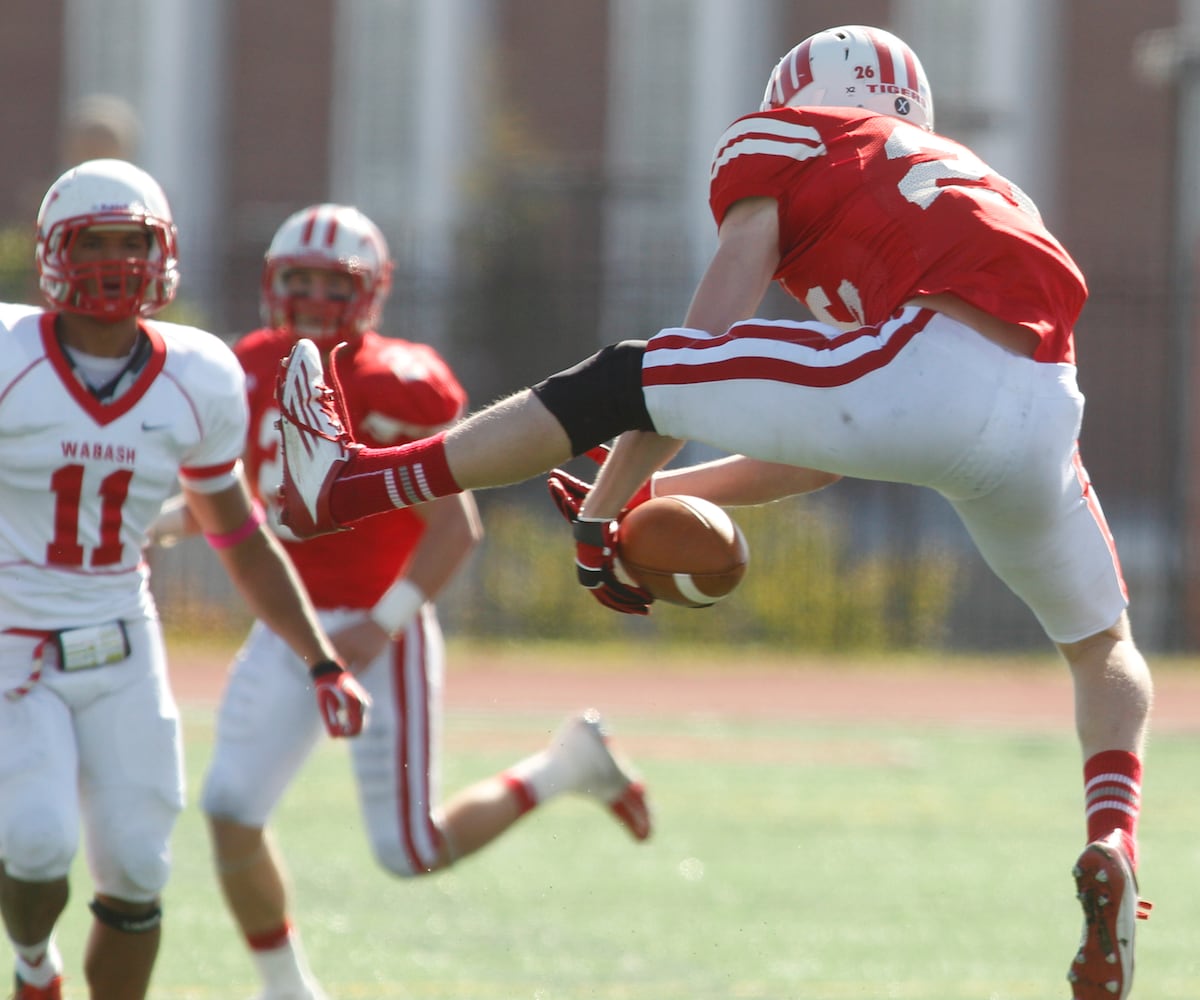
x=767 y=136
x=198 y=472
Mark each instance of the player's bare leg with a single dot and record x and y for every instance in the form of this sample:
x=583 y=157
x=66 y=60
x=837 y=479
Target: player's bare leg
x=1113 y=696
x=118 y=961
x=250 y=875
x=329 y=481
x=31 y=910
x=1113 y=690
x=579 y=759
x=508 y=442
x=475 y=816
x=253 y=883
x=505 y=443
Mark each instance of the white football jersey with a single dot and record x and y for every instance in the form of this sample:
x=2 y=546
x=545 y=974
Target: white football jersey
x=81 y=481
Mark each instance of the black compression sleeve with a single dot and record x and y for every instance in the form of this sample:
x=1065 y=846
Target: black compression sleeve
x=599 y=398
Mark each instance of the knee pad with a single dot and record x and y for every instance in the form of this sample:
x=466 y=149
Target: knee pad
x=228 y=799
x=127 y=923
x=241 y=791
x=134 y=876
x=599 y=398
x=38 y=847
x=133 y=863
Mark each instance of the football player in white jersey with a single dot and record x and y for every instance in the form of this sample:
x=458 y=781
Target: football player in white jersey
x=326 y=276
x=103 y=412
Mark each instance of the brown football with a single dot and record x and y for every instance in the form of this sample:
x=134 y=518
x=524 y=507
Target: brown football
x=682 y=549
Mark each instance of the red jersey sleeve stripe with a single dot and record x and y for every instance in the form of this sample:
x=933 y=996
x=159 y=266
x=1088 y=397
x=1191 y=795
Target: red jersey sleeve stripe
x=207 y=471
x=768 y=136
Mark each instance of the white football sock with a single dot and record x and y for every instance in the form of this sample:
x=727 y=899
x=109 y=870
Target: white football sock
x=39 y=963
x=545 y=773
x=284 y=970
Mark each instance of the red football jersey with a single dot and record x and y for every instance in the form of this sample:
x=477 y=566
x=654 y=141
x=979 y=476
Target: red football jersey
x=394 y=391
x=873 y=211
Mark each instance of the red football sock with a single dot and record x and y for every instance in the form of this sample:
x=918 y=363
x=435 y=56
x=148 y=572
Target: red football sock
x=1113 y=789
x=377 y=480
x=524 y=795
x=270 y=940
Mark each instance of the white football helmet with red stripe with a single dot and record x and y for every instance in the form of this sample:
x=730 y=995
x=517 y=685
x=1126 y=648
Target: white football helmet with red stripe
x=853 y=67
x=331 y=237
x=106 y=194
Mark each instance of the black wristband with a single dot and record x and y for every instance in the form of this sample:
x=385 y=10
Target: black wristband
x=323 y=667
x=589 y=532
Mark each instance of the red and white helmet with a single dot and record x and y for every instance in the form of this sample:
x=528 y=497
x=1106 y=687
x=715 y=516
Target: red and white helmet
x=337 y=238
x=116 y=195
x=853 y=67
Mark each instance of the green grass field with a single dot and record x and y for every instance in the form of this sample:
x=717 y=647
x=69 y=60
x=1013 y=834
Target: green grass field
x=853 y=862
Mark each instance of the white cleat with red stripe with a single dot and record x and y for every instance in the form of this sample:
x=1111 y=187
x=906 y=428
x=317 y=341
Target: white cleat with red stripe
x=602 y=774
x=315 y=442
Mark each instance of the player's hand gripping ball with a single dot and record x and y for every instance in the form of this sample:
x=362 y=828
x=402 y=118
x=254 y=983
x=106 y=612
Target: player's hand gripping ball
x=684 y=550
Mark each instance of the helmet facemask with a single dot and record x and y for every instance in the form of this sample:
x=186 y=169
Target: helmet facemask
x=326 y=319
x=113 y=288
x=338 y=240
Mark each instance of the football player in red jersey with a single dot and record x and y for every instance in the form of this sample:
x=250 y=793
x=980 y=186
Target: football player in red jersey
x=326 y=276
x=942 y=356
x=104 y=411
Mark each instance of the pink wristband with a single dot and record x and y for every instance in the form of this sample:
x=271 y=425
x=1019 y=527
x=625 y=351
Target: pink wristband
x=239 y=534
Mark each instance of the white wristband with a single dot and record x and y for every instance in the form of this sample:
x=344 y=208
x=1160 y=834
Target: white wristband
x=397 y=607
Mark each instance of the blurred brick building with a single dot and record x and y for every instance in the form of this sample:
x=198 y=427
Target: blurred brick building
x=540 y=169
